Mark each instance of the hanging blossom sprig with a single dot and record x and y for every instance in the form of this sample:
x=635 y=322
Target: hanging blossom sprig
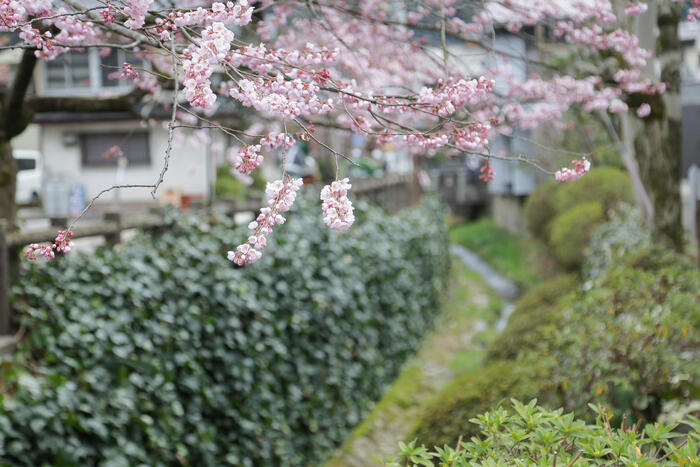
x=338 y=213
x=62 y=243
x=580 y=168
x=280 y=197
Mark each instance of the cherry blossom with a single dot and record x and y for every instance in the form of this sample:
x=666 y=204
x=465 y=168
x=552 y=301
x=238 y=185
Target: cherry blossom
x=580 y=168
x=62 y=243
x=337 y=207
x=280 y=197
x=643 y=110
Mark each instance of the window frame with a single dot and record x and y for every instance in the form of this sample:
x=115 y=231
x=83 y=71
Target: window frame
x=95 y=73
x=121 y=135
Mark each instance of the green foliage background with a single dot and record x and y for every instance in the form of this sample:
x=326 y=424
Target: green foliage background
x=164 y=353
x=565 y=215
x=623 y=334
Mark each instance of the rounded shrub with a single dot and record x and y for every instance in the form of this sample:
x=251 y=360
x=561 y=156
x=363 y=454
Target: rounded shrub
x=631 y=339
x=539 y=209
x=165 y=353
x=446 y=419
x=571 y=231
x=605 y=185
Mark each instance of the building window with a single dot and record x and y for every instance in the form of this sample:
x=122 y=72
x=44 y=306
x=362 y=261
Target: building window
x=69 y=71
x=25 y=164
x=95 y=148
x=88 y=72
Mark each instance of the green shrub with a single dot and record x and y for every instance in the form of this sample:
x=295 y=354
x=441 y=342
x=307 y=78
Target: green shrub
x=228 y=186
x=571 y=231
x=165 y=353
x=447 y=416
x=531 y=435
x=628 y=339
x=537 y=308
x=614 y=242
x=605 y=185
x=539 y=209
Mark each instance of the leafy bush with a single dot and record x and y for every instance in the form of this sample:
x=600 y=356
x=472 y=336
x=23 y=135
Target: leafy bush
x=165 y=353
x=539 y=209
x=537 y=308
x=613 y=242
x=605 y=185
x=228 y=186
x=571 y=231
x=629 y=338
x=531 y=435
x=447 y=416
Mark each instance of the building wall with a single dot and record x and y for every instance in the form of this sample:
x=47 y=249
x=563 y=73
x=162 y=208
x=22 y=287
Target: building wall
x=63 y=161
x=28 y=139
x=507 y=212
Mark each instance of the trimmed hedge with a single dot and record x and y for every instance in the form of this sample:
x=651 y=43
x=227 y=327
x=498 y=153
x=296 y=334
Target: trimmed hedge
x=555 y=212
x=605 y=185
x=571 y=231
x=165 y=353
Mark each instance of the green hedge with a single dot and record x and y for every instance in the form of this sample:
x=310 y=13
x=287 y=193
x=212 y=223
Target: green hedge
x=165 y=353
x=571 y=231
x=626 y=337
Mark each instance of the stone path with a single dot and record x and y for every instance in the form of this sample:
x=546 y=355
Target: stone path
x=468 y=312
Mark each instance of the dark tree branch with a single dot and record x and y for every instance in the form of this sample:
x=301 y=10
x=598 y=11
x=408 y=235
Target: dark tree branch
x=16 y=116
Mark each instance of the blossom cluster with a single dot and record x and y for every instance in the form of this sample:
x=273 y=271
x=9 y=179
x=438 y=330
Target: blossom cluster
x=580 y=168
x=338 y=213
x=136 y=9
x=248 y=159
x=285 y=98
x=214 y=44
x=239 y=13
x=62 y=243
x=280 y=197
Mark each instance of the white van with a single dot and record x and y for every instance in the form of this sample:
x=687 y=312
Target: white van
x=30 y=175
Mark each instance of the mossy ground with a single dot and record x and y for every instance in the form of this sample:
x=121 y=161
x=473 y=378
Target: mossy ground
x=454 y=348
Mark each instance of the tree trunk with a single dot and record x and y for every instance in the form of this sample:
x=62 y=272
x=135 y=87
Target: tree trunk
x=658 y=144
x=8 y=182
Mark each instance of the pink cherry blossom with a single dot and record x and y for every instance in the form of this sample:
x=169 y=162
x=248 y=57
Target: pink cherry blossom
x=337 y=207
x=643 y=110
x=580 y=168
x=280 y=197
x=634 y=9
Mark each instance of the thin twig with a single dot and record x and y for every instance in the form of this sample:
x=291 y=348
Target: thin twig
x=171 y=125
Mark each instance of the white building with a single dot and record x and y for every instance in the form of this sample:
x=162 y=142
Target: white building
x=75 y=146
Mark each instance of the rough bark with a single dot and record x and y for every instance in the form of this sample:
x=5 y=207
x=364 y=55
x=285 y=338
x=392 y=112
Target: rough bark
x=657 y=144
x=8 y=182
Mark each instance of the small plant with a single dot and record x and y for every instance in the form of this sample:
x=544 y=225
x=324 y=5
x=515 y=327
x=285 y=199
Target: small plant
x=531 y=435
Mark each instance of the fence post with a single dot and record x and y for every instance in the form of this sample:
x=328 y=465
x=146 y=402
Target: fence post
x=115 y=237
x=5 y=316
